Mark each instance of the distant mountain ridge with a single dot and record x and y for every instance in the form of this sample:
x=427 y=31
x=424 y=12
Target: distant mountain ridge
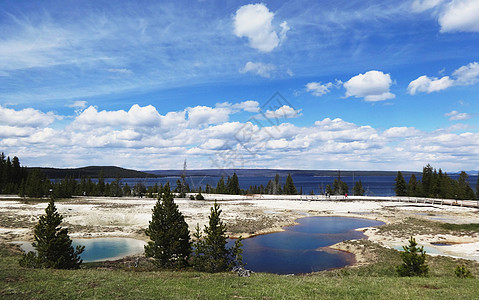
x=93 y=171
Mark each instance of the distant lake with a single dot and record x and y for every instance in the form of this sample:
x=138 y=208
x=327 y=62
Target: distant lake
x=298 y=248
x=373 y=185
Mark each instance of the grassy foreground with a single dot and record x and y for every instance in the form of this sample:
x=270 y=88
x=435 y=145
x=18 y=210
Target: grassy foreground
x=376 y=281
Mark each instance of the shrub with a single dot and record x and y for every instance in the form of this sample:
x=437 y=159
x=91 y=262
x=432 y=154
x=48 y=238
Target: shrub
x=30 y=260
x=462 y=271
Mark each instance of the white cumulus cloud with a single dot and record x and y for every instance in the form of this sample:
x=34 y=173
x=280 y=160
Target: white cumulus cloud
x=372 y=86
x=429 y=84
x=453 y=15
x=26 y=117
x=460 y=15
x=457 y=116
x=137 y=115
x=204 y=115
x=249 y=106
x=465 y=75
x=401 y=132
x=78 y=104
x=318 y=89
x=261 y=69
x=254 y=21
x=284 y=112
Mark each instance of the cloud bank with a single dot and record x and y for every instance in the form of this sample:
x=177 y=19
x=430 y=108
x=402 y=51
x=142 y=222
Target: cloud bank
x=143 y=138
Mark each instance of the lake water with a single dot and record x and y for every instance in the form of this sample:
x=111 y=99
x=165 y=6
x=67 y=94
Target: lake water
x=300 y=248
x=373 y=185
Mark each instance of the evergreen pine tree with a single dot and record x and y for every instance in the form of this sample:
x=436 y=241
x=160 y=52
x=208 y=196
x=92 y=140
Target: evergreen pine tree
x=358 y=189
x=436 y=184
x=344 y=187
x=414 y=260
x=208 y=189
x=126 y=190
x=276 y=185
x=289 y=188
x=179 y=188
x=234 y=187
x=427 y=181
x=210 y=251
x=465 y=190
x=11 y=174
x=170 y=239
x=220 y=186
x=401 y=186
x=340 y=187
x=101 y=183
x=116 y=189
x=441 y=184
x=336 y=187
x=412 y=186
x=270 y=187
x=36 y=184
x=329 y=190
x=53 y=245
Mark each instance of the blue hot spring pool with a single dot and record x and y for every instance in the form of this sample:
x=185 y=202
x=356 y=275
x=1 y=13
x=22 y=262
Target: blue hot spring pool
x=99 y=249
x=303 y=248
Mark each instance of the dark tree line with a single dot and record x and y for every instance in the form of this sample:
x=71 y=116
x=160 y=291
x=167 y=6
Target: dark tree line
x=231 y=186
x=11 y=175
x=274 y=187
x=37 y=185
x=341 y=188
x=436 y=184
x=15 y=179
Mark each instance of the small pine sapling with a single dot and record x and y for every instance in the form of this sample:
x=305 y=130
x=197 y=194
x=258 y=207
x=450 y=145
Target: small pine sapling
x=414 y=260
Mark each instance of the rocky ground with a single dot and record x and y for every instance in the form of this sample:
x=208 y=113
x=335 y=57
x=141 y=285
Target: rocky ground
x=128 y=217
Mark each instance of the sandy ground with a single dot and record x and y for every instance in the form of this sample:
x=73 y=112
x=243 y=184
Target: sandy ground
x=90 y=217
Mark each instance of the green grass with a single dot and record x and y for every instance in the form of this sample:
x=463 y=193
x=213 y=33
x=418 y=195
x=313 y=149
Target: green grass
x=376 y=281
x=471 y=227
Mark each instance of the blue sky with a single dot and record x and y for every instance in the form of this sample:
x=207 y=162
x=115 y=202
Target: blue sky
x=375 y=85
